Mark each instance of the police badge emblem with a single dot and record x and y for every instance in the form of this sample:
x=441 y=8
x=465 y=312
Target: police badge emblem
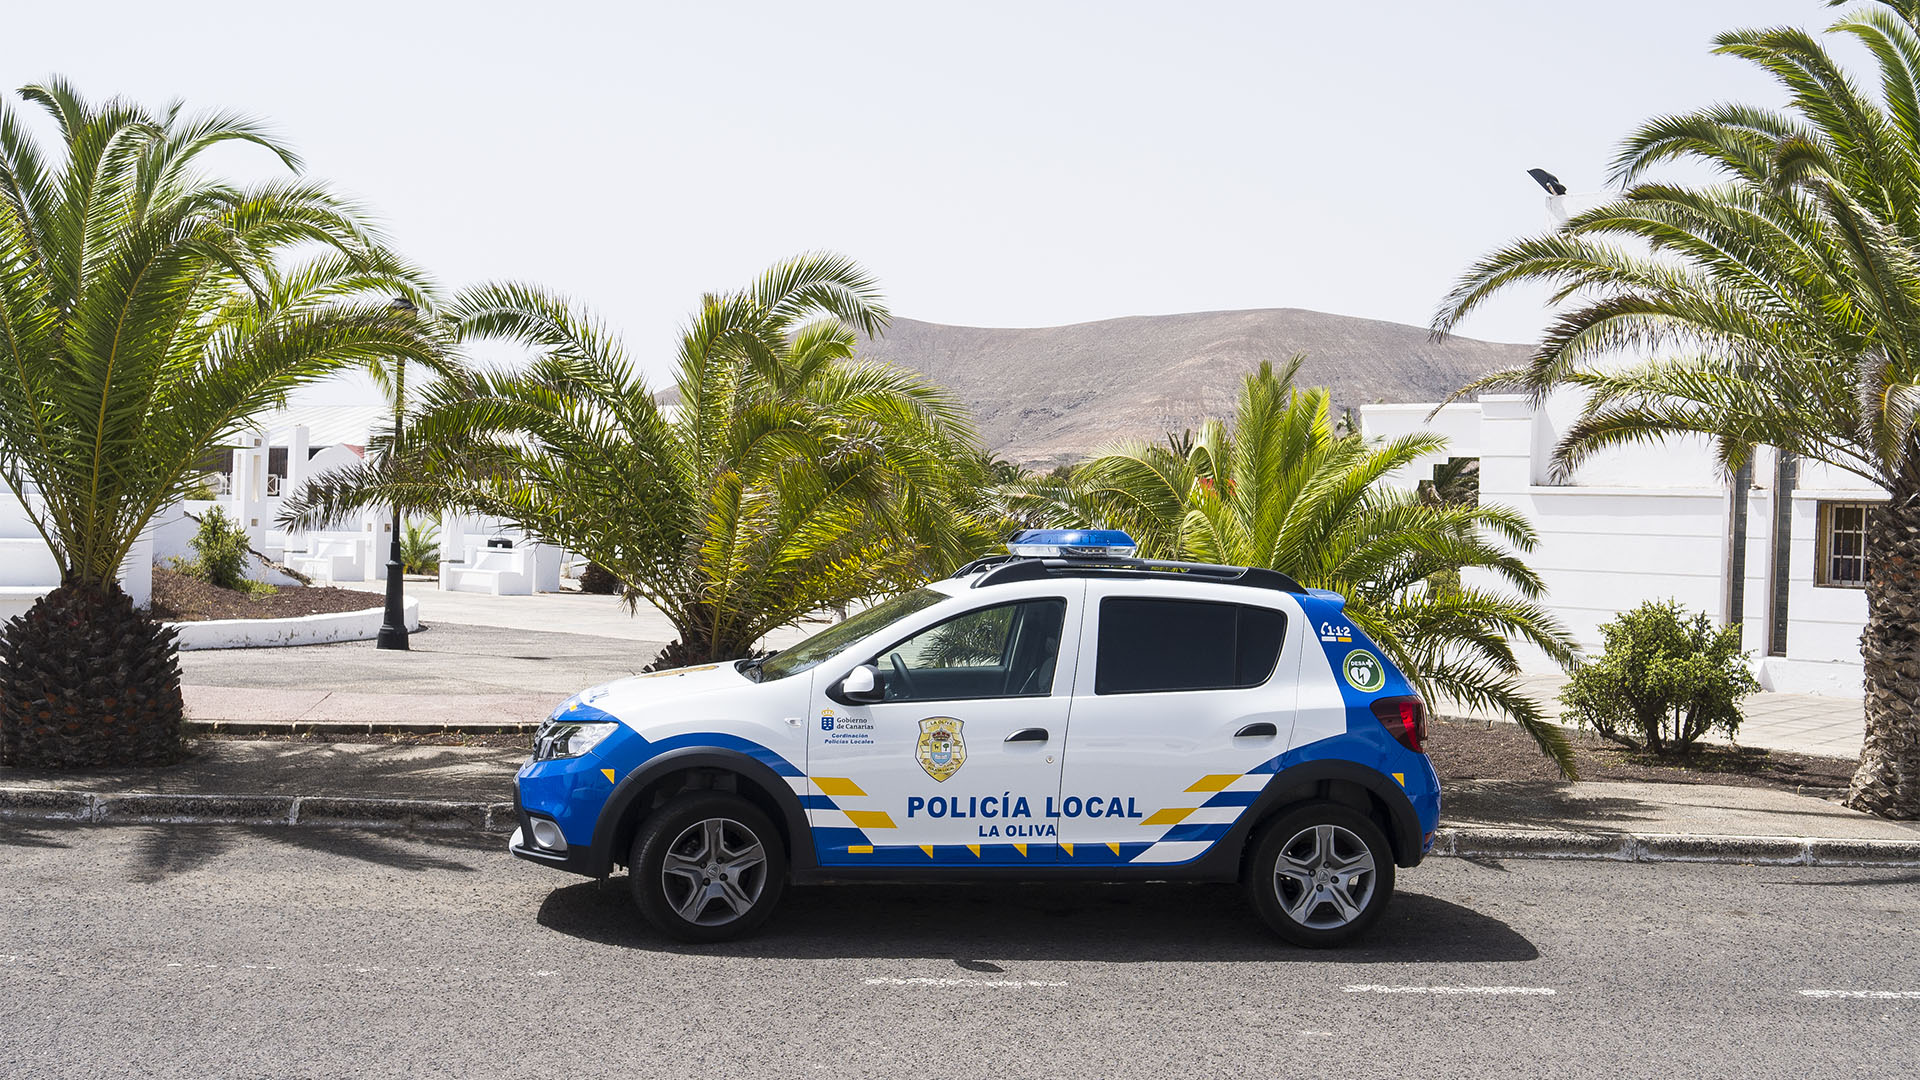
x=942 y=750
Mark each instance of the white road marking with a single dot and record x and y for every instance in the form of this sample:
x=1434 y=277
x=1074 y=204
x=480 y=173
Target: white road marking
x=960 y=982
x=1874 y=995
x=1376 y=988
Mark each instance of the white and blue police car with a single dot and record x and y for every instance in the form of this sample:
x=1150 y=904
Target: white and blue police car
x=1065 y=710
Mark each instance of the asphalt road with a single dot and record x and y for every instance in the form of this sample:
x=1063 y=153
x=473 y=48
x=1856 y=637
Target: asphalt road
x=227 y=952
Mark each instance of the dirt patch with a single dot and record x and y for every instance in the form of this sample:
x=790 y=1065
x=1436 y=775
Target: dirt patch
x=1470 y=750
x=179 y=598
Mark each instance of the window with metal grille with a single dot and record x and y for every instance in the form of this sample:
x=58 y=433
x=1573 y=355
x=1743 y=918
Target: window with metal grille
x=1843 y=545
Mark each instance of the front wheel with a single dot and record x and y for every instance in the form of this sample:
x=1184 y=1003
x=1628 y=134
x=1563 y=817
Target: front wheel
x=707 y=866
x=1320 y=875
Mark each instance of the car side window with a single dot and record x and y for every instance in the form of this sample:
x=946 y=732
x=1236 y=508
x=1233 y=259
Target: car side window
x=1148 y=646
x=1003 y=651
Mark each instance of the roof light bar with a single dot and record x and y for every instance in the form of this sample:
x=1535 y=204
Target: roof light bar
x=1072 y=544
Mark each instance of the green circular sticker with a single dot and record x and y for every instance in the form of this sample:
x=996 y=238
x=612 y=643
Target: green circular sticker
x=1364 y=671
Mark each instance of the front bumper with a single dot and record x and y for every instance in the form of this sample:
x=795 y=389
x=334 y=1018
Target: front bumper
x=574 y=860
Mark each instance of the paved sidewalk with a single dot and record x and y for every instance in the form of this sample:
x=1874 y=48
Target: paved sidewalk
x=561 y=612
x=1798 y=723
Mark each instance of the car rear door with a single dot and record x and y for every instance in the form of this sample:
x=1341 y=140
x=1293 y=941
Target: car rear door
x=1184 y=693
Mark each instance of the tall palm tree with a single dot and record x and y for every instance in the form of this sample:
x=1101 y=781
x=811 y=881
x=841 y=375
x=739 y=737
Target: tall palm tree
x=1778 y=306
x=146 y=311
x=1280 y=487
x=789 y=477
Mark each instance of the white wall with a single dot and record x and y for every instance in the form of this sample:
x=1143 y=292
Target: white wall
x=28 y=568
x=1651 y=522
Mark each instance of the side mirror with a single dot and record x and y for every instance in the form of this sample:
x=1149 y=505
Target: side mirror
x=861 y=684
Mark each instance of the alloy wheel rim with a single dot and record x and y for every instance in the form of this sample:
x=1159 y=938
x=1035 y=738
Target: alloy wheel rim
x=714 y=872
x=1324 y=877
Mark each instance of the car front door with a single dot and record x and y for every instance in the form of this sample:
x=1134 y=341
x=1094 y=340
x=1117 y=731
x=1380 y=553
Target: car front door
x=1180 y=701
x=958 y=764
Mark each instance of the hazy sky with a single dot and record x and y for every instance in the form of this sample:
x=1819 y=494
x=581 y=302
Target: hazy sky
x=1016 y=164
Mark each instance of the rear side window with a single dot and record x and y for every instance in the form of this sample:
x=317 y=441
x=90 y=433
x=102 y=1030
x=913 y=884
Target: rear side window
x=1156 y=645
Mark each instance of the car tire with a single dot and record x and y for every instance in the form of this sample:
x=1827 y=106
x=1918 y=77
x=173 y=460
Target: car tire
x=1320 y=875
x=707 y=866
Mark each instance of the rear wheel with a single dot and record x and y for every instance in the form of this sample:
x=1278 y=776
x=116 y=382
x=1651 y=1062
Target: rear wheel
x=707 y=866
x=1321 y=874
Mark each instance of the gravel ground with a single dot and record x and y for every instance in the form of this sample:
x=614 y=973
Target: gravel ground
x=1471 y=750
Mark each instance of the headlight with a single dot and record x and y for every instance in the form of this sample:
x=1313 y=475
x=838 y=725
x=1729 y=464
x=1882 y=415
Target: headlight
x=562 y=739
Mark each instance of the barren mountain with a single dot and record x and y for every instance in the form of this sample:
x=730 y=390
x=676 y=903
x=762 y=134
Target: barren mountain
x=1056 y=394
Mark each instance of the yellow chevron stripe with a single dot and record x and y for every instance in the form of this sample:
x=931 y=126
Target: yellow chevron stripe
x=870 y=819
x=608 y=773
x=836 y=785
x=1068 y=848
x=975 y=848
x=1115 y=847
x=860 y=849
x=1214 y=782
x=1172 y=815
x=1021 y=848
x=928 y=848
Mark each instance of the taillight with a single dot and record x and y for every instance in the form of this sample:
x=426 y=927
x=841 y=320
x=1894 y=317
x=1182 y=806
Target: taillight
x=1405 y=718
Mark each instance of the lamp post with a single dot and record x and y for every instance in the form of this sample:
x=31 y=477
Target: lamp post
x=393 y=626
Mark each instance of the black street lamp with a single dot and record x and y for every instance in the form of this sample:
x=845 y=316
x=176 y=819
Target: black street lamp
x=393 y=626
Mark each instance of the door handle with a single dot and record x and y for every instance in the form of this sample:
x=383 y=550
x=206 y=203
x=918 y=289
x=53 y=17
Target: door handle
x=1030 y=734
x=1262 y=730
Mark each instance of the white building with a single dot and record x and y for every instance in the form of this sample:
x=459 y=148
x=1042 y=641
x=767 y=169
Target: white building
x=1660 y=522
x=288 y=449
x=251 y=482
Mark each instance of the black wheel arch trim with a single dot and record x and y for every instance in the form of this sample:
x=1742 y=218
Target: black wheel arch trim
x=1303 y=782
x=601 y=856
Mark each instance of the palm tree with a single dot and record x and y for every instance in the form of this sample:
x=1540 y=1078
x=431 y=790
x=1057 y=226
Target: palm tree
x=1779 y=306
x=146 y=311
x=1280 y=487
x=789 y=478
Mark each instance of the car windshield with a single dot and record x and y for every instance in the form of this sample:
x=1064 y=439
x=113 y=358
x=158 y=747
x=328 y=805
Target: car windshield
x=809 y=653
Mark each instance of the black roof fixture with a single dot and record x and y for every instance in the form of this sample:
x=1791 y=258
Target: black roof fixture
x=1001 y=569
x=1547 y=180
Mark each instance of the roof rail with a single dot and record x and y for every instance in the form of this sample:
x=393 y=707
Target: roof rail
x=1001 y=569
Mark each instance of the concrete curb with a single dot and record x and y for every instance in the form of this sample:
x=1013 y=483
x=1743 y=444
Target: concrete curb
x=346 y=727
x=324 y=629
x=1674 y=847
x=317 y=811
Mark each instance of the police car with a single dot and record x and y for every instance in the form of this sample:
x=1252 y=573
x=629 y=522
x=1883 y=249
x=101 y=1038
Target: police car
x=1065 y=710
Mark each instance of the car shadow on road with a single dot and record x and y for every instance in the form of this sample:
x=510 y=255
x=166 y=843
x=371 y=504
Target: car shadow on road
x=1077 y=921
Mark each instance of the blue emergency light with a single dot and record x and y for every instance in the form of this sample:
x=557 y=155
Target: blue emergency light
x=1072 y=543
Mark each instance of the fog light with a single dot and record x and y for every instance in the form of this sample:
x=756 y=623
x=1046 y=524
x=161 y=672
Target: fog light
x=547 y=835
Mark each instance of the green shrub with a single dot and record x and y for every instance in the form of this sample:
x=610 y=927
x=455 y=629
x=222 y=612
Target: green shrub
x=420 y=549
x=1665 y=678
x=220 y=552
x=599 y=580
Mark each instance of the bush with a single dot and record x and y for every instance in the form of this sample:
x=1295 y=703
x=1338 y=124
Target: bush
x=599 y=580
x=420 y=549
x=1665 y=678
x=220 y=552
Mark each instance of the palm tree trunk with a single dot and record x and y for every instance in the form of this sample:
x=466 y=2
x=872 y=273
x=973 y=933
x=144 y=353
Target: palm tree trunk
x=1888 y=779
